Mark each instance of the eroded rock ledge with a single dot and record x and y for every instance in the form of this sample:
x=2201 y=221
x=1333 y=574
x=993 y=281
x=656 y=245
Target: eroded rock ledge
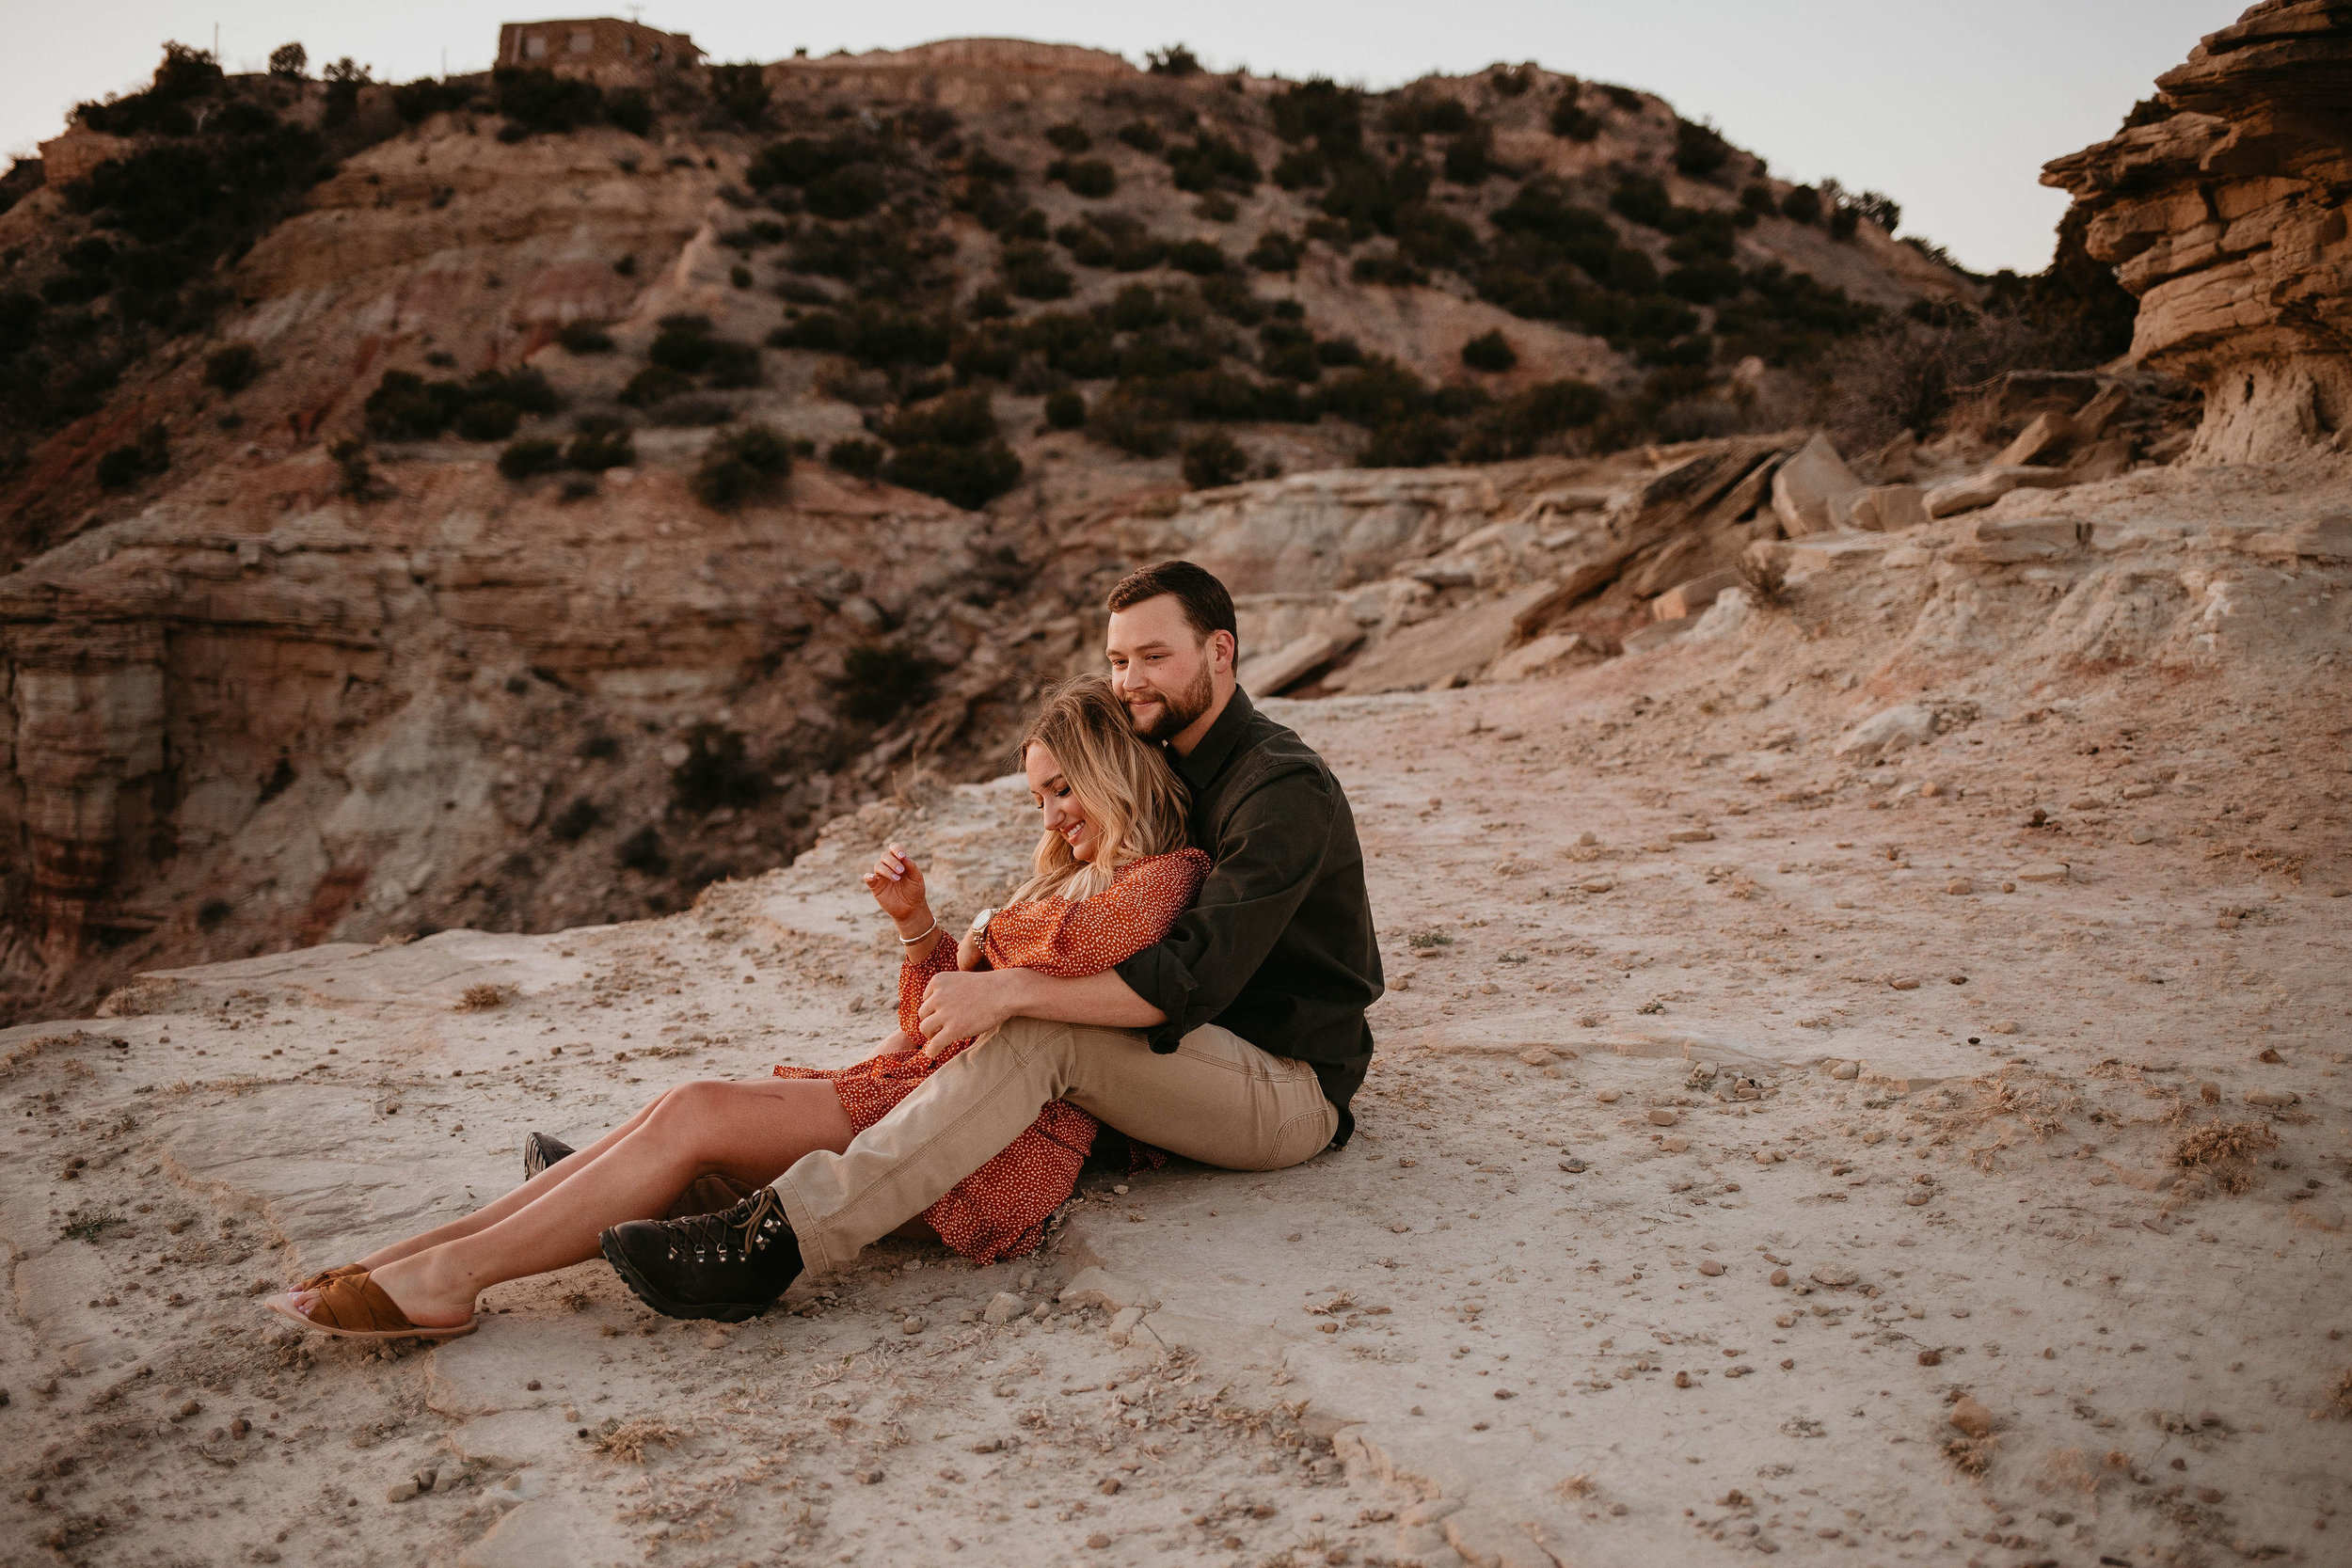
x=2221 y=204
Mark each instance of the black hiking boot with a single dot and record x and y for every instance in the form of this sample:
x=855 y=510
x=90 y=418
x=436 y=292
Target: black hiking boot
x=728 y=1266
x=540 y=1151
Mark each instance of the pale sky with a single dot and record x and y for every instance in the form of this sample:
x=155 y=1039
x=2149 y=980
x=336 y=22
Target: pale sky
x=1950 y=109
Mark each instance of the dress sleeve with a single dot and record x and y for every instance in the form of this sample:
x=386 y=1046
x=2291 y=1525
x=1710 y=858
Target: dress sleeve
x=914 y=977
x=1072 y=939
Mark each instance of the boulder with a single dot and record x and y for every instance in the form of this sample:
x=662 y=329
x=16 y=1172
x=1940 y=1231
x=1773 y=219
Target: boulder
x=1813 y=488
x=1447 y=650
x=1892 y=730
x=1656 y=634
x=1689 y=598
x=2326 y=538
x=1888 y=508
x=2004 y=541
x=2052 y=434
x=1549 y=653
x=1989 y=485
x=1271 y=674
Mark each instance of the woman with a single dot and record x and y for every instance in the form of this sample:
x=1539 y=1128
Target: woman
x=1111 y=874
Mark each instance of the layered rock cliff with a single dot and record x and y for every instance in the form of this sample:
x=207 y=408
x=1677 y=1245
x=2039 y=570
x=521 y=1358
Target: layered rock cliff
x=2222 y=203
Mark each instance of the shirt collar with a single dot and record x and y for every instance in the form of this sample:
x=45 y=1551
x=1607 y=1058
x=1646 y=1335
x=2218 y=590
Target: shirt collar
x=1209 y=758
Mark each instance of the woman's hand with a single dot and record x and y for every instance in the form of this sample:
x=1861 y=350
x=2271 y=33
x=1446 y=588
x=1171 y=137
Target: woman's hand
x=898 y=1044
x=897 y=884
x=968 y=952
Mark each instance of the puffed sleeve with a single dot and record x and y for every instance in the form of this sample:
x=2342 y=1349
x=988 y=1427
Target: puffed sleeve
x=915 y=976
x=1072 y=939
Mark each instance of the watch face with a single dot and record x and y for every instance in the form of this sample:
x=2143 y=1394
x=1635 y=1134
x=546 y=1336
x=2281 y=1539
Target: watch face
x=979 y=920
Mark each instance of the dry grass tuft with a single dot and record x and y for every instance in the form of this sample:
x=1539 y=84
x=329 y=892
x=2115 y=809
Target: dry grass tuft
x=482 y=998
x=2338 y=1405
x=575 y=1301
x=1970 y=1456
x=1765 y=578
x=1574 y=1486
x=2225 y=1151
x=631 y=1438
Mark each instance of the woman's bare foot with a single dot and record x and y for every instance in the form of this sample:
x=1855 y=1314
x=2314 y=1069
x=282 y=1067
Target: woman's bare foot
x=422 y=1288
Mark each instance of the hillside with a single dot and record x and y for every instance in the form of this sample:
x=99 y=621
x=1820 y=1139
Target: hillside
x=398 y=476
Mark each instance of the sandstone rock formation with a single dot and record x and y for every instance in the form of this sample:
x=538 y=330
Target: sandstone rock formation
x=2224 y=204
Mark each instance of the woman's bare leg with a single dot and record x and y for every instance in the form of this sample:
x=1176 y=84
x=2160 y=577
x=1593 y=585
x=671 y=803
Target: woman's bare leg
x=519 y=1199
x=749 y=1133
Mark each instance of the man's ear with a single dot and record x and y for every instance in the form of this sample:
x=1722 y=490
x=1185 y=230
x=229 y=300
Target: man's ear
x=1224 y=642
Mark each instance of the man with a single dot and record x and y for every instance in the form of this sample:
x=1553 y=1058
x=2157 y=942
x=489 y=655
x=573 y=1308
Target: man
x=1237 y=1041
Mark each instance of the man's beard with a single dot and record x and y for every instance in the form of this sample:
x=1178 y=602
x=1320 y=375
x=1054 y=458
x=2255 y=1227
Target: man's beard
x=1178 y=708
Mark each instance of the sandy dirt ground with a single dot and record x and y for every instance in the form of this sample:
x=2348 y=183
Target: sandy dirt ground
x=1863 y=1081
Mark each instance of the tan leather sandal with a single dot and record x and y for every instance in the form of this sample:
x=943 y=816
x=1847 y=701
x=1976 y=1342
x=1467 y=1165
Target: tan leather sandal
x=353 y=1306
x=312 y=1282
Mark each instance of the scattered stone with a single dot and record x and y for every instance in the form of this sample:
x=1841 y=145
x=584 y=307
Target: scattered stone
x=913 y=1325
x=1981 y=489
x=1917 y=1198
x=1682 y=1380
x=2048 y=871
x=1607 y=1096
x=712 y=1340
x=1905 y=982
x=867 y=1477
x=1674 y=1145
x=1573 y=1166
x=1835 y=1275
x=2006 y=1026
x=1959 y=887
x=1535 y=1055
x=1847 y=1071
x=1813 y=490
x=1094 y=1286
x=1780 y=1277
x=1108 y=1487
x=1895 y=729
x=1664 y=1117
x=1600 y=884
x=1769 y=1156
x=1931 y=1358
x=1003 y=1308
x=1690 y=835
x=400 y=1492
x=1710 y=1267
x=1971 y=1418
x=1124 y=1324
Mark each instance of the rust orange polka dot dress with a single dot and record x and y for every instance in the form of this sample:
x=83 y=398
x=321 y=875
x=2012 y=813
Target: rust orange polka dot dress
x=1000 y=1210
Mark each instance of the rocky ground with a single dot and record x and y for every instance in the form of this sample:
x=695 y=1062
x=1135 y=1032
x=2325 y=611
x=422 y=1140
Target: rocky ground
x=1860 y=1080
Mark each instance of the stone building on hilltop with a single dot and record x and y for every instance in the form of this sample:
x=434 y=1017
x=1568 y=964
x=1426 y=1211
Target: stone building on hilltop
x=605 y=49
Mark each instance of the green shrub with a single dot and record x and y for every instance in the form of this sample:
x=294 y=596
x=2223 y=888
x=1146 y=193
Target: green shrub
x=870 y=332
x=1388 y=269
x=526 y=458
x=741 y=93
x=1142 y=136
x=1300 y=168
x=492 y=420
x=1381 y=391
x=1490 y=351
x=600 y=446
x=1421 y=115
x=1414 y=441
x=1642 y=199
x=1174 y=61
x=1803 y=204
x=421 y=99
x=856 y=458
x=1090 y=178
x=1133 y=423
x=1071 y=139
x=716 y=772
x=1624 y=100
x=1513 y=427
x=534 y=98
x=1214 y=459
x=1275 y=251
x=957 y=419
x=1843 y=222
x=1201 y=258
x=653 y=384
x=735 y=466
x=584 y=337
x=968 y=476
x=629 y=109
x=1029 y=271
x=1469 y=156
x=877 y=684
x=1699 y=150
x=232 y=368
x=641 y=851
x=1211 y=160
x=1066 y=410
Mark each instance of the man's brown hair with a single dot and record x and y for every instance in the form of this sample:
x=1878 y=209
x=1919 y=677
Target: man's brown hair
x=1207 y=606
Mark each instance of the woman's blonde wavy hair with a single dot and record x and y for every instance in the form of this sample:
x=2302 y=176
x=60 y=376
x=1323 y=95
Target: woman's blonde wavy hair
x=1129 y=793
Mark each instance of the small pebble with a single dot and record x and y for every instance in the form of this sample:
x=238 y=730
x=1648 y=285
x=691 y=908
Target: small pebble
x=913 y=1325
x=1917 y=1198
x=1109 y=1487
x=1674 y=1145
x=1931 y=1358
x=1972 y=1418
x=532 y=1385
x=1848 y=1072
x=1834 y=1275
x=1607 y=1096
x=1664 y=1117
x=1710 y=1267
x=868 y=1478
x=1780 y=1277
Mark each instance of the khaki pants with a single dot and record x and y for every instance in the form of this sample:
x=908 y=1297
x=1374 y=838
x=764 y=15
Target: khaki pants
x=1216 y=1098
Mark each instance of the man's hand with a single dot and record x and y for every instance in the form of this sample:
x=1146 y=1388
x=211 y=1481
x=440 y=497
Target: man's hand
x=958 y=1006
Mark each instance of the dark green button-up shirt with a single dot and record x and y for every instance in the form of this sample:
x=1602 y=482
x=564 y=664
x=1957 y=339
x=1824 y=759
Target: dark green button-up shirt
x=1279 y=947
